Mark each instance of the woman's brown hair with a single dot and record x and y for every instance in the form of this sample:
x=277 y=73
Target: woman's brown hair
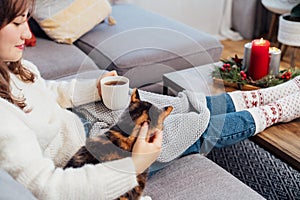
x=9 y=10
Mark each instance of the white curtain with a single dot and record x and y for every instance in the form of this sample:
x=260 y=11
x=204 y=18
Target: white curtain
x=211 y=16
x=225 y=29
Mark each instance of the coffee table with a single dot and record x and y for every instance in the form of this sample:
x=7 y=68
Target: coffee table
x=283 y=140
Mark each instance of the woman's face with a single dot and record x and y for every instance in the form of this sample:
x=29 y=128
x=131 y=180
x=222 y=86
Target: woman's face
x=12 y=38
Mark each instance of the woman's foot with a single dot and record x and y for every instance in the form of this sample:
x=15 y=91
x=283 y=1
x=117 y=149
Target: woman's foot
x=283 y=110
x=248 y=99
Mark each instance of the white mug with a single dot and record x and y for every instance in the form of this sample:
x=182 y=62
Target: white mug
x=115 y=92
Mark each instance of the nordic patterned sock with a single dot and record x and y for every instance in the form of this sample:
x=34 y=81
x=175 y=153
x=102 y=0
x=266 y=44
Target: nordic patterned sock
x=248 y=99
x=283 y=110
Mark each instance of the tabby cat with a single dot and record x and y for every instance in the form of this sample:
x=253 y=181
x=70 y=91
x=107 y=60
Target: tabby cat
x=118 y=141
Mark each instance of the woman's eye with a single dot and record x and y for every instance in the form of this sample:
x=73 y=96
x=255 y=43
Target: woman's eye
x=17 y=24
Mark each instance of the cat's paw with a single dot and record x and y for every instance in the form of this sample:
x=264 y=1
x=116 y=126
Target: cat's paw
x=145 y=198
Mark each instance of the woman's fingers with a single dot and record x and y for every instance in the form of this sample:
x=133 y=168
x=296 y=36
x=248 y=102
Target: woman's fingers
x=157 y=138
x=145 y=153
x=110 y=73
x=143 y=132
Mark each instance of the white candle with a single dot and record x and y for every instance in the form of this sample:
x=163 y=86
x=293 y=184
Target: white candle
x=247 y=55
x=274 y=64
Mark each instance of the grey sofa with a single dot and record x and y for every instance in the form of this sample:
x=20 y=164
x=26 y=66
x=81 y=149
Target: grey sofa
x=193 y=177
x=143 y=46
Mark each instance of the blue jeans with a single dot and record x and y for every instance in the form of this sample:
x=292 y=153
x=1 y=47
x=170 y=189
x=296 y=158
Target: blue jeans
x=87 y=125
x=226 y=127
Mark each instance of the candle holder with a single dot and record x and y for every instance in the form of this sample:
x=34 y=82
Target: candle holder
x=247 y=56
x=274 y=59
x=275 y=55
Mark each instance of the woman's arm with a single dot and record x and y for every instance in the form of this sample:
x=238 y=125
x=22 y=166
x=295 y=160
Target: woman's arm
x=22 y=157
x=73 y=92
x=77 y=92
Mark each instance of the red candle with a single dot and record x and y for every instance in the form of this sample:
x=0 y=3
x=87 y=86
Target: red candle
x=259 y=61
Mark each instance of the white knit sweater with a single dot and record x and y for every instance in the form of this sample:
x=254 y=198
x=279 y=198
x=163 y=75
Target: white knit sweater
x=34 y=146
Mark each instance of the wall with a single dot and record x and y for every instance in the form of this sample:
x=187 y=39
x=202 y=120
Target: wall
x=205 y=15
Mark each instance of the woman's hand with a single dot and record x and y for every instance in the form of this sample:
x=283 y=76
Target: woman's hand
x=111 y=73
x=145 y=153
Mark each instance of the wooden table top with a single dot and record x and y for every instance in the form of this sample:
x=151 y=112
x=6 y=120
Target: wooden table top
x=283 y=139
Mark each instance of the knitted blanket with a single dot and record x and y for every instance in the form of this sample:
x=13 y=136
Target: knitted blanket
x=182 y=128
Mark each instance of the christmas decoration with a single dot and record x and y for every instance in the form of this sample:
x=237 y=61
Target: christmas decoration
x=231 y=72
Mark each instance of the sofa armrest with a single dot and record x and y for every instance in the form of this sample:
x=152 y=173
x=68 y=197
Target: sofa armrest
x=12 y=190
x=197 y=177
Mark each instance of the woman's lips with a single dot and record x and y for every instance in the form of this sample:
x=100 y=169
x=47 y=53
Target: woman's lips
x=21 y=47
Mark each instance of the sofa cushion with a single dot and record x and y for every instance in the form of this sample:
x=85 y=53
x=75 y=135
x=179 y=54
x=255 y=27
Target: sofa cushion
x=65 y=21
x=93 y=74
x=197 y=177
x=143 y=45
x=58 y=60
x=12 y=190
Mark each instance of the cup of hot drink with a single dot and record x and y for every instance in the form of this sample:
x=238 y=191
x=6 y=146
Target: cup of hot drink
x=115 y=92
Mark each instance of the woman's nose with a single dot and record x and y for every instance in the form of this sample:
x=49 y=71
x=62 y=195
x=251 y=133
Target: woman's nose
x=26 y=34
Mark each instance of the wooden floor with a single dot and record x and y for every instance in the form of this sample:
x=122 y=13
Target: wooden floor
x=237 y=47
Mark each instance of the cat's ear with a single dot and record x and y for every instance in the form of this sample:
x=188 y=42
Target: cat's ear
x=166 y=112
x=135 y=96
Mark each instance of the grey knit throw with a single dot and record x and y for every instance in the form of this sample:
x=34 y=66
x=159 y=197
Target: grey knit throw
x=182 y=128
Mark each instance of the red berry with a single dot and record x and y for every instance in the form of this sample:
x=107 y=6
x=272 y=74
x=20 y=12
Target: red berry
x=243 y=75
x=226 y=65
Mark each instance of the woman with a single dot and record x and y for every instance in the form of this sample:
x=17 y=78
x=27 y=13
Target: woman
x=38 y=135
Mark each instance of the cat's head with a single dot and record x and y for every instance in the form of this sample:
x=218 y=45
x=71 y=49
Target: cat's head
x=139 y=112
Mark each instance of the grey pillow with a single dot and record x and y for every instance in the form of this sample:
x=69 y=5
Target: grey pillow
x=12 y=190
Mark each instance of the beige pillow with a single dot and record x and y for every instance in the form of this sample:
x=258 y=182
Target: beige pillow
x=67 y=20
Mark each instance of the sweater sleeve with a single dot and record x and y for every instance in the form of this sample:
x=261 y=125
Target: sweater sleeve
x=74 y=92
x=22 y=157
x=68 y=93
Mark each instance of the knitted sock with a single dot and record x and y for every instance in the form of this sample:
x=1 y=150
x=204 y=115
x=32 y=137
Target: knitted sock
x=282 y=110
x=248 y=99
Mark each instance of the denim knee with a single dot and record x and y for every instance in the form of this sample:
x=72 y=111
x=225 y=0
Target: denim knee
x=220 y=104
x=227 y=129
